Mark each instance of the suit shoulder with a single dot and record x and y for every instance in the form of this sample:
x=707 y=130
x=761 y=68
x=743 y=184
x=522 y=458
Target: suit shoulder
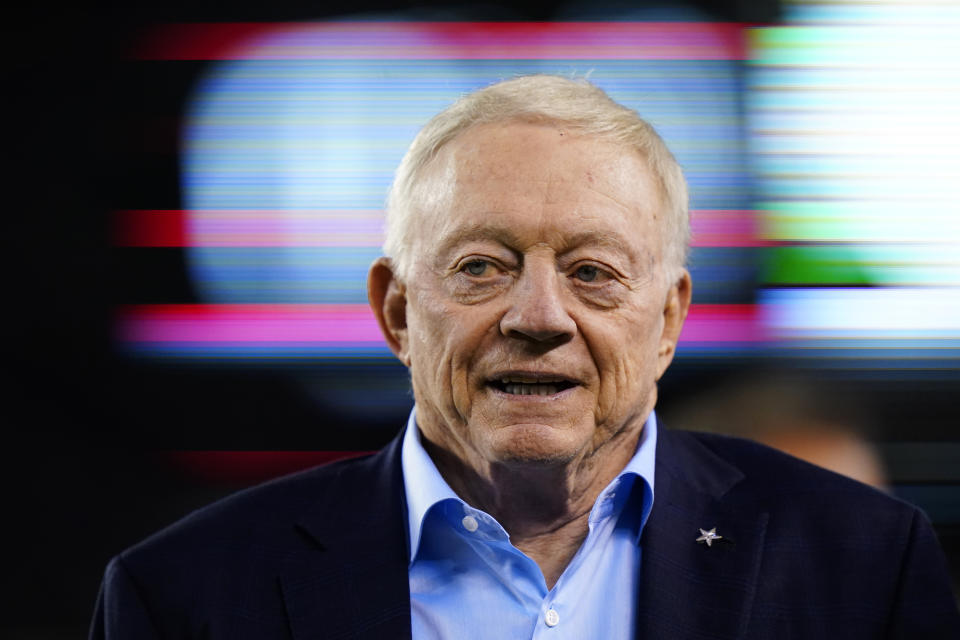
x=833 y=548
x=248 y=517
x=777 y=478
x=219 y=572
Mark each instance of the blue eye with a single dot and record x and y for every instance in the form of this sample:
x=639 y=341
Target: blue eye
x=587 y=273
x=475 y=267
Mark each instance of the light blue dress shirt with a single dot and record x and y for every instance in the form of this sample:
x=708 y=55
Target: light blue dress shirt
x=468 y=581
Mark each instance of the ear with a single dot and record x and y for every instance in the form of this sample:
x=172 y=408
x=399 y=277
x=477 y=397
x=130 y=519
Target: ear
x=388 y=299
x=674 y=313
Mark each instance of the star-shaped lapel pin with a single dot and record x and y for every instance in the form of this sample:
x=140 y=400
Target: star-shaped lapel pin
x=709 y=536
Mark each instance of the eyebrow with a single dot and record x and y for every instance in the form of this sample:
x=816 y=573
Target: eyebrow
x=614 y=242
x=507 y=236
x=480 y=231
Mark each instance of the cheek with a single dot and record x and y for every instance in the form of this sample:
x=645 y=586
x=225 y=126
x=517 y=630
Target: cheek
x=626 y=358
x=431 y=331
x=444 y=341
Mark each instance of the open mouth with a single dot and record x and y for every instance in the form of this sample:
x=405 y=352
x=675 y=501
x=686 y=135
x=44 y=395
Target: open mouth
x=531 y=385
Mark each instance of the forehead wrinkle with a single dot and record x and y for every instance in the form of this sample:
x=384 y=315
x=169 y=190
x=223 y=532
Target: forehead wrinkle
x=472 y=179
x=565 y=243
x=604 y=240
x=481 y=231
x=470 y=165
x=631 y=209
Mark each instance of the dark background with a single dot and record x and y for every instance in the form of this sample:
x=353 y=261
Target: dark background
x=88 y=468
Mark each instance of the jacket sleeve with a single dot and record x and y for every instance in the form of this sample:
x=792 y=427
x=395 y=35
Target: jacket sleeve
x=925 y=605
x=121 y=613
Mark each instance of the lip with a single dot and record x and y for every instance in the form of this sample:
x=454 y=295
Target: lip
x=513 y=397
x=496 y=385
x=533 y=376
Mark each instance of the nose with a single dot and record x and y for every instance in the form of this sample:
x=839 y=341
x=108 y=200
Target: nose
x=537 y=310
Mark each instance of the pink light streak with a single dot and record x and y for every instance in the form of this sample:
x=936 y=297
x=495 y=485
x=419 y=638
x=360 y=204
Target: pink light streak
x=344 y=228
x=444 y=41
x=723 y=323
x=350 y=324
x=254 y=323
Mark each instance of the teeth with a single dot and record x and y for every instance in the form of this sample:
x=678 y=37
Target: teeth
x=524 y=389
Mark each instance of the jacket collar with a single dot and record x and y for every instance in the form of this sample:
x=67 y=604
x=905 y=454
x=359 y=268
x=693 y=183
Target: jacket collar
x=350 y=579
x=689 y=589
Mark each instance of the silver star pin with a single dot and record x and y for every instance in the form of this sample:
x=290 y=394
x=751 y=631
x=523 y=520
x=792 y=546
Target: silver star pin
x=709 y=536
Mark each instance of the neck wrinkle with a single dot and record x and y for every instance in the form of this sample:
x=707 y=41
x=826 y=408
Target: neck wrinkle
x=532 y=501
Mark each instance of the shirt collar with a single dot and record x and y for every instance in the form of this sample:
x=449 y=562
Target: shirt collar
x=422 y=481
x=425 y=487
x=640 y=467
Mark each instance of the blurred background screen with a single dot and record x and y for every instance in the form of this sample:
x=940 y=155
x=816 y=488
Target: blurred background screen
x=206 y=194
x=289 y=143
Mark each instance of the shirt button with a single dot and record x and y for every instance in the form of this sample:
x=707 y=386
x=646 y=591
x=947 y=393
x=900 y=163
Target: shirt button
x=469 y=523
x=552 y=618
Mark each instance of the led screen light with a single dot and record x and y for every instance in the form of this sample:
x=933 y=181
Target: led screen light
x=292 y=137
x=853 y=131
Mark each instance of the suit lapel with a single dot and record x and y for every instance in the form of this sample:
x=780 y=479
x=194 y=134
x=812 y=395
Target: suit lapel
x=350 y=578
x=687 y=589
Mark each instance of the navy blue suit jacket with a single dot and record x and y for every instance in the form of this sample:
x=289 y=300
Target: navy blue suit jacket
x=323 y=554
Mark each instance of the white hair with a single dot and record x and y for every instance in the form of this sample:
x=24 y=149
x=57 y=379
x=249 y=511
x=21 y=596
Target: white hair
x=575 y=104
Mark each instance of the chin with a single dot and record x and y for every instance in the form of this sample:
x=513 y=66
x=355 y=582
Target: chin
x=535 y=445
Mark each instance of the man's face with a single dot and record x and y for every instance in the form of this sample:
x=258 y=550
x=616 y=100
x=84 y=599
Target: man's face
x=537 y=314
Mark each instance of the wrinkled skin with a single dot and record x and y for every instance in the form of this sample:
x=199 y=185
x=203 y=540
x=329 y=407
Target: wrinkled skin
x=540 y=258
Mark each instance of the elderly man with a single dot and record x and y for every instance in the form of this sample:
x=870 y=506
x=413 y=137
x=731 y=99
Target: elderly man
x=535 y=288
